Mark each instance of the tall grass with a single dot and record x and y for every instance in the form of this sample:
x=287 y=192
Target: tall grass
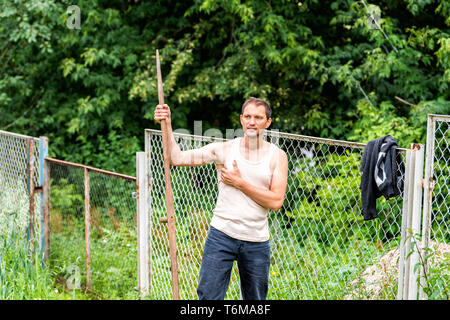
x=113 y=257
x=21 y=274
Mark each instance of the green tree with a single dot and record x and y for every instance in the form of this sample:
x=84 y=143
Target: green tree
x=325 y=67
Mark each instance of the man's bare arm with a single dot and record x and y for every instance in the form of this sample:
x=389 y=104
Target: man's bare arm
x=194 y=157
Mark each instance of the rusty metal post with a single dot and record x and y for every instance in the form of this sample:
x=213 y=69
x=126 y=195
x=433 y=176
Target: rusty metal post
x=87 y=223
x=30 y=178
x=45 y=197
x=91 y=169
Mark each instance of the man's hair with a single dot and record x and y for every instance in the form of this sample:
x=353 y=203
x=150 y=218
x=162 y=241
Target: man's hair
x=258 y=102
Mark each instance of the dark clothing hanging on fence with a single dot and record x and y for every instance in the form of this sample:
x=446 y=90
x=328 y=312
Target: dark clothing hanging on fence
x=382 y=174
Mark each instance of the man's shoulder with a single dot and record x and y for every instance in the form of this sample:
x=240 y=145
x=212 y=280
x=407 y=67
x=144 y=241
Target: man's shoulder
x=221 y=144
x=279 y=157
x=280 y=152
x=220 y=149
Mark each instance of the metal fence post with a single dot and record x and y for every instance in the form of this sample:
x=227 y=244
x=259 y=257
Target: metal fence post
x=409 y=256
x=30 y=180
x=427 y=199
x=87 y=221
x=44 y=209
x=148 y=151
x=402 y=273
x=143 y=223
x=418 y=149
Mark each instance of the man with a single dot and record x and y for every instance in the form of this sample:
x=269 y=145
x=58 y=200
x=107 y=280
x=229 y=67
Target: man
x=252 y=178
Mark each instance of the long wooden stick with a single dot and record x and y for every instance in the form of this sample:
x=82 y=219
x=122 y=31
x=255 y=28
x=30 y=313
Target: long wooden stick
x=169 y=192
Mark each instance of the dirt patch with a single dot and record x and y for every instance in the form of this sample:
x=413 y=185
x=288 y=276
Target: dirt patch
x=383 y=275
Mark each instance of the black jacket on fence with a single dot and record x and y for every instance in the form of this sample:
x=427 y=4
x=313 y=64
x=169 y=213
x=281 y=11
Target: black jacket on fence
x=382 y=174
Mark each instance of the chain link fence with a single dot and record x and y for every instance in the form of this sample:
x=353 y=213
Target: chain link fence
x=320 y=246
x=93 y=229
x=440 y=218
x=20 y=164
x=21 y=213
x=436 y=210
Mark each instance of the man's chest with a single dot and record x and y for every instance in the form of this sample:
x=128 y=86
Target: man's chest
x=225 y=154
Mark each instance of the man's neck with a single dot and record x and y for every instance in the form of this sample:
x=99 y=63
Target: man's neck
x=254 y=143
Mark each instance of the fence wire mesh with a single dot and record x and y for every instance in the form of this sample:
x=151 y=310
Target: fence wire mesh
x=320 y=246
x=441 y=201
x=113 y=230
x=436 y=242
x=15 y=204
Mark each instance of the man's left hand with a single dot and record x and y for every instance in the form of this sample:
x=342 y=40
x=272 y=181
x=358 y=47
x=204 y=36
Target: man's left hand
x=232 y=177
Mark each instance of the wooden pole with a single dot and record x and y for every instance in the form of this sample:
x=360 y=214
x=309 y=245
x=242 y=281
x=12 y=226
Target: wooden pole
x=169 y=192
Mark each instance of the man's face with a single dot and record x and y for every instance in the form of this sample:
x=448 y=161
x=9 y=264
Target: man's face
x=254 y=120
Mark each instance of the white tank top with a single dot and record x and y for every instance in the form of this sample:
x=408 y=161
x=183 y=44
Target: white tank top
x=236 y=214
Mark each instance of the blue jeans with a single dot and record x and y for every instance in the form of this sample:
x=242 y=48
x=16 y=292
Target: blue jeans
x=253 y=259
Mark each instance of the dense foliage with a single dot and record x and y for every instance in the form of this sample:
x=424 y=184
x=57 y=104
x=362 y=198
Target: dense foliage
x=325 y=66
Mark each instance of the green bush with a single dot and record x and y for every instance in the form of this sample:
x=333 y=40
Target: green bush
x=327 y=202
